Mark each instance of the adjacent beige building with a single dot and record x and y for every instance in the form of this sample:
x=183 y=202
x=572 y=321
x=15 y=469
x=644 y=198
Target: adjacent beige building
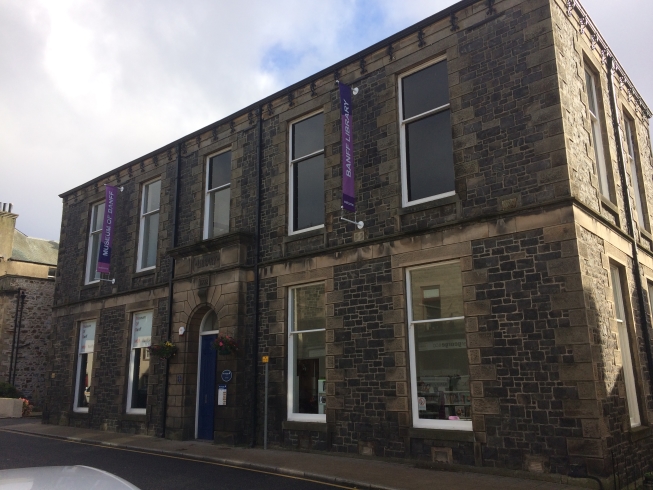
x=27 y=272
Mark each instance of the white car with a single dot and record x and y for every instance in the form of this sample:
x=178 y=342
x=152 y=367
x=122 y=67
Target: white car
x=61 y=478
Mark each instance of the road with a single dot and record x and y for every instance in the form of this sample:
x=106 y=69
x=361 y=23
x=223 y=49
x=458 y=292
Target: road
x=146 y=471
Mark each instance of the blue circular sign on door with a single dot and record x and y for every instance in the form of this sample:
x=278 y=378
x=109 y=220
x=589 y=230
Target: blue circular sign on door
x=226 y=375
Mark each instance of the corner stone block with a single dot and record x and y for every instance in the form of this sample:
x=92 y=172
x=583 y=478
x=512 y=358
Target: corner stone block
x=393 y=316
x=336 y=403
x=334 y=349
x=567 y=301
x=485 y=406
x=591 y=428
x=335 y=375
x=559 y=233
x=483 y=372
x=476 y=389
x=480 y=339
x=474 y=356
x=587 y=409
x=478 y=423
x=400 y=358
x=571 y=335
x=334 y=322
x=577 y=372
x=472 y=278
x=394 y=345
x=471 y=324
x=477 y=308
x=395 y=374
x=577 y=317
x=561 y=267
x=585 y=447
x=396 y=404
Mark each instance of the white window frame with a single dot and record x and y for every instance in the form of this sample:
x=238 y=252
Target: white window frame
x=199 y=364
x=291 y=177
x=631 y=154
x=130 y=382
x=77 y=408
x=417 y=422
x=210 y=193
x=292 y=361
x=597 y=135
x=402 y=137
x=624 y=345
x=142 y=226
x=89 y=251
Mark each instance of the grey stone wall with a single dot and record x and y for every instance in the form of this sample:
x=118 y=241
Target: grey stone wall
x=34 y=334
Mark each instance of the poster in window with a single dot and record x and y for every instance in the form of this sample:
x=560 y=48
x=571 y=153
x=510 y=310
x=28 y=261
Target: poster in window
x=87 y=337
x=142 y=330
x=421 y=403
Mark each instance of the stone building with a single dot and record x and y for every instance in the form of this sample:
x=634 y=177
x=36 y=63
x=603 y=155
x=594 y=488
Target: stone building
x=492 y=312
x=27 y=271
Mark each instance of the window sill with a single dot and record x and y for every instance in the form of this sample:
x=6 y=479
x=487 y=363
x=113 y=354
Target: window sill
x=134 y=417
x=145 y=272
x=210 y=244
x=409 y=209
x=300 y=235
x=639 y=433
x=610 y=205
x=305 y=426
x=646 y=234
x=91 y=285
x=75 y=414
x=441 y=434
x=142 y=272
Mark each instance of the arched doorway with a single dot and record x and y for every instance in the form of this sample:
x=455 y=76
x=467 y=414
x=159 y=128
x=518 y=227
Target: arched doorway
x=206 y=377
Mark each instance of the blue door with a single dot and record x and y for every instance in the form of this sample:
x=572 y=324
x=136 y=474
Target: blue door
x=206 y=399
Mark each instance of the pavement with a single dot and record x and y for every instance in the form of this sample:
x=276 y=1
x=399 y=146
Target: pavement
x=340 y=470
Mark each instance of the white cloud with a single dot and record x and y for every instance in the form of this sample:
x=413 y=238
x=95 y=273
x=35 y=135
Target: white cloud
x=88 y=85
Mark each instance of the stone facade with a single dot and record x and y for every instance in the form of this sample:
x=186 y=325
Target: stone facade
x=527 y=225
x=34 y=333
x=27 y=269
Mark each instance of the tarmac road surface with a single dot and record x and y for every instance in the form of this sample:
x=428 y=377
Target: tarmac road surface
x=146 y=471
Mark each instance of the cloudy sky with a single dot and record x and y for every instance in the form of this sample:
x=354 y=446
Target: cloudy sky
x=88 y=85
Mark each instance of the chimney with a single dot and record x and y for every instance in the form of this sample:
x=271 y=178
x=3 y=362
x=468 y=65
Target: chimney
x=7 y=226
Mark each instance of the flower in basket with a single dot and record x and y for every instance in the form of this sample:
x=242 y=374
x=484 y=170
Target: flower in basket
x=226 y=344
x=27 y=408
x=164 y=351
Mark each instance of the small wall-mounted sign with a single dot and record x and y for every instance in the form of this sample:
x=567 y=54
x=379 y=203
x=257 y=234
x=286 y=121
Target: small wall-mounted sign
x=226 y=375
x=222 y=394
x=180 y=378
x=265 y=359
x=182 y=331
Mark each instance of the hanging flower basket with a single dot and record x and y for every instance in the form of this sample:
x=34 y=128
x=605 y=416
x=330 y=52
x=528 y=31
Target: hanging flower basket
x=225 y=345
x=164 y=351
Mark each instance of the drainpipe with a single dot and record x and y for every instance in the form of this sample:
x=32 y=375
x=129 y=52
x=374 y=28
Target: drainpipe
x=175 y=214
x=13 y=339
x=19 y=318
x=254 y=404
x=616 y=124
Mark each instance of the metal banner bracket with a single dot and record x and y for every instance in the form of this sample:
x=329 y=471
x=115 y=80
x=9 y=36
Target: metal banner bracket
x=359 y=224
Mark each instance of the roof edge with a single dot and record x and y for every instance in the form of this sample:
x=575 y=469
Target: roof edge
x=571 y=5
x=369 y=50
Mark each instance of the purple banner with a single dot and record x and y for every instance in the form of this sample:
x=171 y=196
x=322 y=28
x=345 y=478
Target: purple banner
x=347 y=150
x=106 y=239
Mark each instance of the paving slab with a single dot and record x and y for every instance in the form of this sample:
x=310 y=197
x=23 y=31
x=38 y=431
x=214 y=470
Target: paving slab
x=328 y=468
